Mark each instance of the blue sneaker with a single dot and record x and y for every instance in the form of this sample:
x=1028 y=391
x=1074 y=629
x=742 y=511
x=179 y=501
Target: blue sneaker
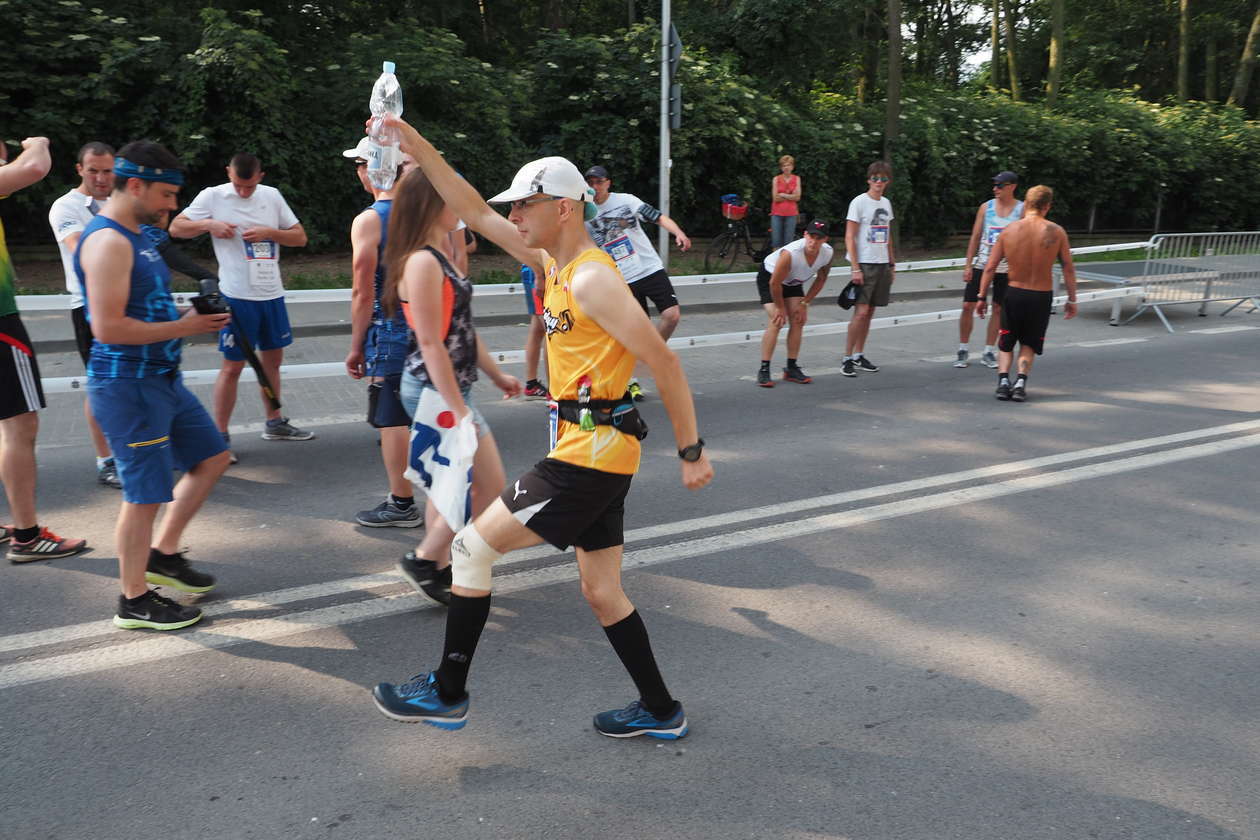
x=635 y=719
x=419 y=701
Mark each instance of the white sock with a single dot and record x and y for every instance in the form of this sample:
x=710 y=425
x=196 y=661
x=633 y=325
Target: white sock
x=988 y=348
x=848 y=358
x=962 y=347
x=100 y=462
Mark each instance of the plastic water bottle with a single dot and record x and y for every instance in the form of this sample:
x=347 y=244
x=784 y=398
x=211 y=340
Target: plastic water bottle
x=383 y=153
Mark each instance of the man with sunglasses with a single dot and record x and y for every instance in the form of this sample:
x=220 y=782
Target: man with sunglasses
x=991 y=219
x=868 y=243
x=576 y=495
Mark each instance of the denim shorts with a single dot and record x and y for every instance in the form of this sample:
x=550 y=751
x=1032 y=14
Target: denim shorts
x=409 y=392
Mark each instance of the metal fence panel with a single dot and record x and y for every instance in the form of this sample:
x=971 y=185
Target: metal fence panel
x=1199 y=268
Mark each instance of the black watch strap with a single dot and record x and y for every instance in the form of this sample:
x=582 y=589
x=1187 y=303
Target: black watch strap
x=692 y=453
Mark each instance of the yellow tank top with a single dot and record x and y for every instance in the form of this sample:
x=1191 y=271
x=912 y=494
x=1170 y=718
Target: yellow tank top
x=577 y=347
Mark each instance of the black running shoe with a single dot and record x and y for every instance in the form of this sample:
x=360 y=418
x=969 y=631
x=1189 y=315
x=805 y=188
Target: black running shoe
x=173 y=570
x=847 y=368
x=865 y=364
x=1018 y=394
x=795 y=374
x=426 y=578
x=763 y=378
x=153 y=612
x=1003 y=391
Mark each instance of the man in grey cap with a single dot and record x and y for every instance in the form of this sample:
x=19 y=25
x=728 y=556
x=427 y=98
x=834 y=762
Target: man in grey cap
x=991 y=218
x=576 y=495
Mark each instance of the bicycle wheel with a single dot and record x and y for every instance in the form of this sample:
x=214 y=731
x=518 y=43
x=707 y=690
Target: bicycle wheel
x=720 y=255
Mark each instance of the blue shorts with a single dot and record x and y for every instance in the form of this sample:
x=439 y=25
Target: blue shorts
x=410 y=388
x=385 y=348
x=154 y=425
x=533 y=305
x=264 y=322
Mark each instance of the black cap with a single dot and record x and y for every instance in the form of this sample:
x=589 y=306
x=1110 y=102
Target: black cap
x=818 y=227
x=596 y=172
x=1006 y=177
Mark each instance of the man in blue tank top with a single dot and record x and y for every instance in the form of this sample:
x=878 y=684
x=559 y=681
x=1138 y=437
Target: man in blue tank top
x=154 y=425
x=991 y=218
x=378 y=350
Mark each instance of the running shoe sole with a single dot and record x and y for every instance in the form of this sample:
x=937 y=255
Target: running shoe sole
x=663 y=734
x=145 y=624
x=269 y=436
x=767 y=384
x=399 y=523
x=1018 y=395
x=804 y=380
x=447 y=723
x=6 y=534
x=175 y=583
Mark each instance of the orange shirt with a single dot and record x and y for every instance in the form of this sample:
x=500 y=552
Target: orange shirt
x=577 y=347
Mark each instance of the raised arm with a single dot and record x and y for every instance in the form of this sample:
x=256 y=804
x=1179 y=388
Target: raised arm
x=465 y=202
x=27 y=168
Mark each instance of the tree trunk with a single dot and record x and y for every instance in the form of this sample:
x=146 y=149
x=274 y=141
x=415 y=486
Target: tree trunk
x=1011 y=64
x=630 y=12
x=995 y=49
x=1209 y=70
x=1183 y=53
x=1056 y=52
x=1242 y=79
x=955 y=50
x=892 y=123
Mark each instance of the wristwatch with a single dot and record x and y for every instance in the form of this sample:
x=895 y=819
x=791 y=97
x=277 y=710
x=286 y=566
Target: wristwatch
x=692 y=453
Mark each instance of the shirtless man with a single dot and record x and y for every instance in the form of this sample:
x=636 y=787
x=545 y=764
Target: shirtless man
x=1029 y=247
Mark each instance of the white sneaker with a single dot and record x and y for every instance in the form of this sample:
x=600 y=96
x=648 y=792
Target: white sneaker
x=962 y=359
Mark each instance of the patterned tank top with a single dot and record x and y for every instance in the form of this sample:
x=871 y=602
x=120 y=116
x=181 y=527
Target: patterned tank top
x=577 y=347
x=460 y=338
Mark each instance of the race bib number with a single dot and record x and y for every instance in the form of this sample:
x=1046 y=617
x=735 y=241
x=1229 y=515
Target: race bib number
x=993 y=232
x=622 y=250
x=262 y=258
x=877 y=235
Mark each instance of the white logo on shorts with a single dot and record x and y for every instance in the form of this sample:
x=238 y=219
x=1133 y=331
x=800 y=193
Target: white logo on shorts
x=518 y=492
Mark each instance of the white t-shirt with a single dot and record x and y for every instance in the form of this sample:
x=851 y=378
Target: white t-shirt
x=68 y=216
x=873 y=218
x=247 y=270
x=801 y=269
x=618 y=230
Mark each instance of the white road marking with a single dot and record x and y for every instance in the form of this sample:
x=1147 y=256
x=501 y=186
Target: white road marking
x=1220 y=330
x=232 y=633
x=1107 y=342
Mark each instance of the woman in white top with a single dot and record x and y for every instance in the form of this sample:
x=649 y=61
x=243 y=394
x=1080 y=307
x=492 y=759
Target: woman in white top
x=781 y=285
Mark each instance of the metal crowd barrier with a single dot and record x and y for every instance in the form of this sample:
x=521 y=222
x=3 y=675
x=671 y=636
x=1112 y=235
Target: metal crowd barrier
x=1200 y=268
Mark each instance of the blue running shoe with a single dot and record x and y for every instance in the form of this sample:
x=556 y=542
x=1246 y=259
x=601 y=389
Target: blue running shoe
x=635 y=719
x=419 y=701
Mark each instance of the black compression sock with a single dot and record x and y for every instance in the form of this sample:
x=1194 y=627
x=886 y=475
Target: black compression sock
x=25 y=535
x=765 y=364
x=465 y=620
x=791 y=363
x=629 y=639
x=402 y=502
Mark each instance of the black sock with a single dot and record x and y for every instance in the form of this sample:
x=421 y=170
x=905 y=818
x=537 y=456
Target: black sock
x=765 y=364
x=465 y=619
x=24 y=535
x=1004 y=376
x=402 y=502
x=533 y=383
x=630 y=639
x=791 y=363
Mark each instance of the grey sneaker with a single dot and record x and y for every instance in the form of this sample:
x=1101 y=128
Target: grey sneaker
x=389 y=515
x=107 y=474
x=989 y=359
x=284 y=430
x=962 y=359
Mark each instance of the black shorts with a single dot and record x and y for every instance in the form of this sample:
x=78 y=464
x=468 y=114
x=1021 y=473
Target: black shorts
x=385 y=408
x=82 y=332
x=570 y=505
x=972 y=293
x=1025 y=317
x=20 y=388
x=656 y=288
x=763 y=287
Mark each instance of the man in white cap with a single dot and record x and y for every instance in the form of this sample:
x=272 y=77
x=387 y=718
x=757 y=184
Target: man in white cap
x=576 y=495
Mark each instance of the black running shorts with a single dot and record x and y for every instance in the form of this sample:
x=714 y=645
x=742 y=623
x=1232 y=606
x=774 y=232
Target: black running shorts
x=972 y=293
x=763 y=287
x=570 y=505
x=82 y=332
x=1025 y=317
x=20 y=387
x=656 y=288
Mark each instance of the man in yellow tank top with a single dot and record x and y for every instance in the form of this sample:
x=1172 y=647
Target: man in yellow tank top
x=576 y=495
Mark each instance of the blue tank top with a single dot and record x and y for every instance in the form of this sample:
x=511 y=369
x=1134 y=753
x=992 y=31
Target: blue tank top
x=149 y=300
x=398 y=323
x=993 y=225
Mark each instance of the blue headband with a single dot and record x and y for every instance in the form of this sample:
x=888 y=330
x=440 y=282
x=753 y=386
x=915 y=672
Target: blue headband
x=124 y=168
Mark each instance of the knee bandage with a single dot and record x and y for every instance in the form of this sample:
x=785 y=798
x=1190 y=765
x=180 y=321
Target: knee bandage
x=471 y=559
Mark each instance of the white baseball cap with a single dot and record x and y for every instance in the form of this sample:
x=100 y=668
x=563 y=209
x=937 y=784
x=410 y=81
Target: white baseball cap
x=550 y=176
x=359 y=151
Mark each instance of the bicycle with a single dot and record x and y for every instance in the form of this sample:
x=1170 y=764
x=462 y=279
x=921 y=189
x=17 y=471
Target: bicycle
x=720 y=256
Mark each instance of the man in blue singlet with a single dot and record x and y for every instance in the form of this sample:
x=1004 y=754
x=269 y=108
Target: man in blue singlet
x=991 y=218
x=152 y=422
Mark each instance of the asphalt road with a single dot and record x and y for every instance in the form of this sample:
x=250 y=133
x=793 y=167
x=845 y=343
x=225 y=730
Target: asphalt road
x=902 y=611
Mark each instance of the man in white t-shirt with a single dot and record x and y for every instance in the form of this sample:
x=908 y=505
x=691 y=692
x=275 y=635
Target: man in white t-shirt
x=868 y=243
x=68 y=216
x=249 y=222
x=781 y=286
x=618 y=229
